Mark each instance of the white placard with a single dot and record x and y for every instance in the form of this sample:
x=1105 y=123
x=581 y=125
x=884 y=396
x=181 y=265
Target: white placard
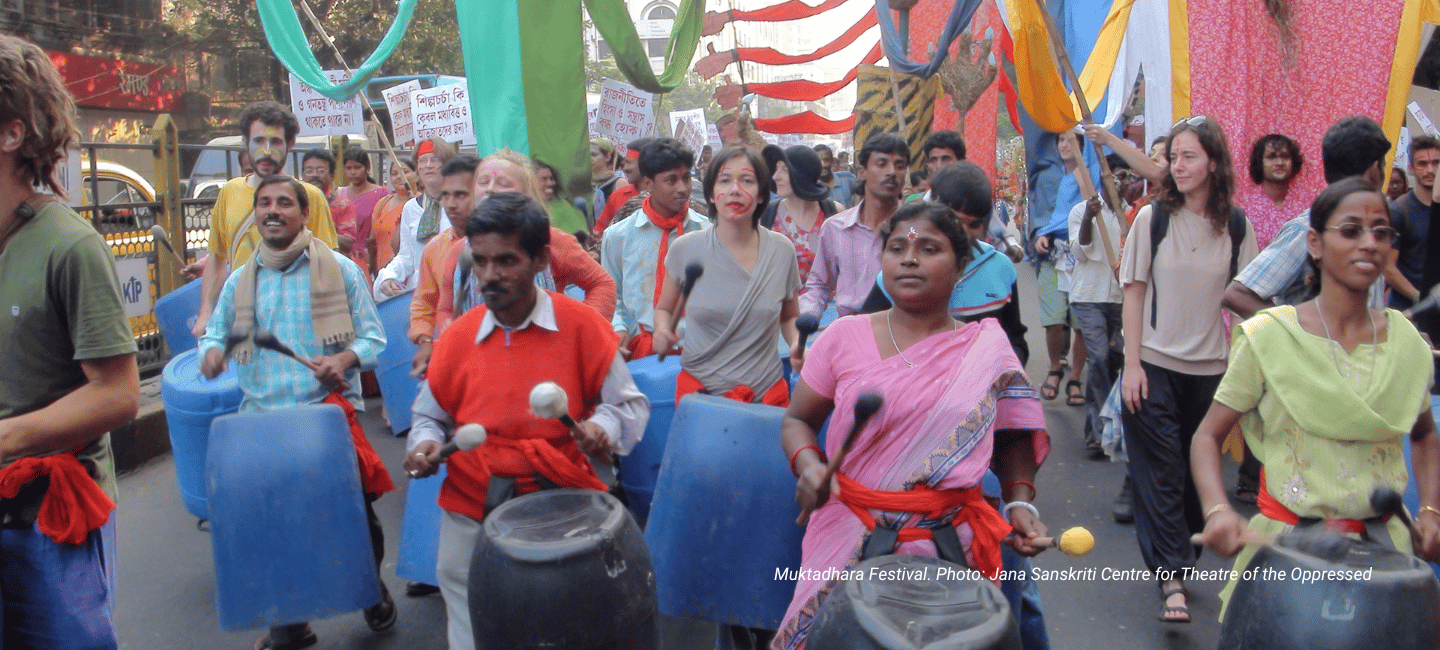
x=134 y=274
x=320 y=115
x=443 y=112
x=591 y=110
x=626 y=113
x=397 y=99
x=1424 y=120
x=788 y=140
x=651 y=29
x=689 y=127
x=1402 y=150
x=712 y=136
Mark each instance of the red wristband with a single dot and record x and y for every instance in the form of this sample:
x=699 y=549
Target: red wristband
x=1034 y=492
x=795 y=455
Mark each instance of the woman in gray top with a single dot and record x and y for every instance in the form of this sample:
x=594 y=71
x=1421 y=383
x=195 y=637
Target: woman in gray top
x=745 y=297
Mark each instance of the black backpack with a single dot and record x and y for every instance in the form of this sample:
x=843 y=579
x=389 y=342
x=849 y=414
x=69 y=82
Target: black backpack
x=1160 y=226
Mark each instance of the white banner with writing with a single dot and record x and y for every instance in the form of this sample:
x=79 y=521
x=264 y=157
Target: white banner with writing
x=689 y=127
x=626 y=113
x=320 y=115
x=443 y=112
x=397 y=99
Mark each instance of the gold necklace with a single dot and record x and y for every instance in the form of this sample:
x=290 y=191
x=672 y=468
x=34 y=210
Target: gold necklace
x=889 y=325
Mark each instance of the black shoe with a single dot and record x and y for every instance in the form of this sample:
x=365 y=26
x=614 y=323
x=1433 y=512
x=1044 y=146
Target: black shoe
x=1124 y=508
x=415 y=589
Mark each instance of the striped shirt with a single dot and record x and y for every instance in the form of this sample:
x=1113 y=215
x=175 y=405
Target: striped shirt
x=847 y=258
x=273 y=381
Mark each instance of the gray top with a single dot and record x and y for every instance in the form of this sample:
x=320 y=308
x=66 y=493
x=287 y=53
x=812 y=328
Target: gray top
x=733 y=317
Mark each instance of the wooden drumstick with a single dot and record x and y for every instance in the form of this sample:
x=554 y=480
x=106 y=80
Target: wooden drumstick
x=693 y=271
x=266 y=339
x=1247 y=536
x=158 y=232
x=1075 y=541
x=865 y=408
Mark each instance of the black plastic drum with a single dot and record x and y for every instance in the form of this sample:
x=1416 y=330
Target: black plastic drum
x=1319 y=591
x=562 y=569
x=902 y=602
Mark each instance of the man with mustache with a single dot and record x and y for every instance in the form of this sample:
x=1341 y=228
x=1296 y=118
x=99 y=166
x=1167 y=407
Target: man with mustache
x=482 y=371
x=847 y=258
x=317 y=301
x=457 y=199
x=269 y=130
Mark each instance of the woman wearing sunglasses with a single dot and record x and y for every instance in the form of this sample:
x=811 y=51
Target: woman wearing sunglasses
x=1325 y=392
x=1182 y=251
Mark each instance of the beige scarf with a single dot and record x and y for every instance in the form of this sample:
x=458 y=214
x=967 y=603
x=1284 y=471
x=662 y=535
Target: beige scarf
x=329 y=304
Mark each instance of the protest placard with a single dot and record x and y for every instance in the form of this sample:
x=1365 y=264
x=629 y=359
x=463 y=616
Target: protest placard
x=397 y=99
x=689 y=127
x=320 y=115
x=626 y=113
x=443 y=112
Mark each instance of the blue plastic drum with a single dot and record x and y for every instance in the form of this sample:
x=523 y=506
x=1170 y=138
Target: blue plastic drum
x=287 y=519
x=175 y=314
x=420 y=529
x=191 y=403
x=640 y=470
x=725 y=498
x=397 y=387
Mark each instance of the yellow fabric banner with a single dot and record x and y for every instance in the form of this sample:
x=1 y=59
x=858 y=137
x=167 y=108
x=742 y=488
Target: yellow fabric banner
x=1402 y=72
x=1037 y=78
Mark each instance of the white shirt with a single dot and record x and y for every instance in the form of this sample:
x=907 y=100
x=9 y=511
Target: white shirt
x=404 y=268
x=1092 y=279
x=622 y=413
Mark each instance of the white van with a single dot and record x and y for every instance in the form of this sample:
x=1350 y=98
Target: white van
x=211 y=171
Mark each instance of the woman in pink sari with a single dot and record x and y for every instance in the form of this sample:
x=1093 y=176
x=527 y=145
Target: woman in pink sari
x=956 y=401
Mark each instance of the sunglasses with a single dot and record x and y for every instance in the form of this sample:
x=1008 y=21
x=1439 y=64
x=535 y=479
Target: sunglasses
x=1193 y=120
x=1382 y=234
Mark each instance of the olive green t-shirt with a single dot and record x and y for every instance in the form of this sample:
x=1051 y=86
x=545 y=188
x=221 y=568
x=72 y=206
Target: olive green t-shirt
x=59 y=305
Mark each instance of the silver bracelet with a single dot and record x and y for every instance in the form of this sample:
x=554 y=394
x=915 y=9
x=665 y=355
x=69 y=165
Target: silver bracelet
x=1020 y=504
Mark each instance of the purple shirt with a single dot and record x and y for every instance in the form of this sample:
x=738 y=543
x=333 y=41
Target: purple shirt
x=847 y=259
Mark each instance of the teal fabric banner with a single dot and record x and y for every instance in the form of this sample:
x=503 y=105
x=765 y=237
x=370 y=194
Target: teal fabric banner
x=490 y=38
x=287 y=40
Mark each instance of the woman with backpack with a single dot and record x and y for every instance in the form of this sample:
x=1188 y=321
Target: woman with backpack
x=1182 y=251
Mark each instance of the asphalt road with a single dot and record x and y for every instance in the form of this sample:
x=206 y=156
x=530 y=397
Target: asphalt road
x=166 y=588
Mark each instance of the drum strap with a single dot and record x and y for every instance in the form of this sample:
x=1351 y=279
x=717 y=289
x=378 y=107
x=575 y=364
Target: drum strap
x=884 y=540
x=502 y=489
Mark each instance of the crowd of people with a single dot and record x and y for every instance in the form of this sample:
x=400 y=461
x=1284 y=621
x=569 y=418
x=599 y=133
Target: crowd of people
x=1136 y=294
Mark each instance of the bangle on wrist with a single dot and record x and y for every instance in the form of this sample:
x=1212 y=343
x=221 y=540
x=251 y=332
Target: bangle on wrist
x=796 y=455
x=1219 y=507
x=1023 y=505
x=1033 y=492
x=1425 y=509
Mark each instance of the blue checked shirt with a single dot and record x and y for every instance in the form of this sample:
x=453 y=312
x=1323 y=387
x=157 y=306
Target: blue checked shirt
x=629 y=252
x=1279 y=272
x=273 y=381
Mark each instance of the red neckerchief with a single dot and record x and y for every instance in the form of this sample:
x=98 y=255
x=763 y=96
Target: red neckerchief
x=666 y=225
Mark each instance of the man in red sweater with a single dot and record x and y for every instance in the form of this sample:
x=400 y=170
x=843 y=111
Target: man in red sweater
x=482 y=370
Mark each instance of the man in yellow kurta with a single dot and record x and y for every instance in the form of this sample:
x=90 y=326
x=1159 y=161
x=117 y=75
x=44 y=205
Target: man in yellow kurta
x=269 y=131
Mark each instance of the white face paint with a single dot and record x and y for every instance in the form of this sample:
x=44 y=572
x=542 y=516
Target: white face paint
x=267 y=147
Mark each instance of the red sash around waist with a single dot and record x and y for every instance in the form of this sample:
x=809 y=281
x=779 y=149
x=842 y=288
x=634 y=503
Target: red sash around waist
x=72 y=506
x=538 y=455
x=777 y=395
x=1275 y=510
x=987 y=526
x=374 y=478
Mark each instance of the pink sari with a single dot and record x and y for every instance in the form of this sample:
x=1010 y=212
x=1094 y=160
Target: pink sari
x=937 y=428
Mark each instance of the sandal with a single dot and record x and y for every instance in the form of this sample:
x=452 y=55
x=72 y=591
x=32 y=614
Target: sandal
x=303 y=641
x=1048 y=390
x=1167 y=612
x=1074 y=393
x=382 y=615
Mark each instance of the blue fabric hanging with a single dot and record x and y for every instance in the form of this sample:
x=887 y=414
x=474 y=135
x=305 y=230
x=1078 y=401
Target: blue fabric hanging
x=961 y=14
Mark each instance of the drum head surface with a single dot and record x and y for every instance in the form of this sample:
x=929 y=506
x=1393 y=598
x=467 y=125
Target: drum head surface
x=554 y=524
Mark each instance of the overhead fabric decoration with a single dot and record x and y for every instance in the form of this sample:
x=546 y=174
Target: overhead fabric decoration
x=1135 y=37
x=1037 y=78
x=712 y=64
x=804 y=90
x=612 y=19
x=1413 y=16
x=960 y=14
x=807 y=122
x=792 y=10
x=287 y=39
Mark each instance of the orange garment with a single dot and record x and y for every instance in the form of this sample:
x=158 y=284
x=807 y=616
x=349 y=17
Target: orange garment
x=612 y=205
x=374 y=478
x=778 y=395
x=674 y=225
x=73 y=505
x=569 y=264
x=489 y=383
x=430 y=290
x=987 y=526
x=1277 y=511
x=387 y=219
x=641 y=345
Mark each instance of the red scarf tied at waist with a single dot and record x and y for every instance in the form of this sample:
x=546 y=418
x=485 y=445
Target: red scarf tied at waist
x=778 y=395
x=374 y=478
x=986 y=525
x=669 y=226
x=73 y=505
x=1275 y=510
x=542 y=457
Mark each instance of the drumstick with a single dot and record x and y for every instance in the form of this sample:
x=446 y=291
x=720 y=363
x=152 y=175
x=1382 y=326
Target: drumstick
x=866 y=406
x=1247 y=536
x=693 y=271
x=158 y=232
x=1386 y=501
x=1075 y=541
x=266 y=339
x=548 y=400
x=806 y=325
x=467 y=437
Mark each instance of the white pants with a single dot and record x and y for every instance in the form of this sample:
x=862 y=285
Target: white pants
x=458 y=535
